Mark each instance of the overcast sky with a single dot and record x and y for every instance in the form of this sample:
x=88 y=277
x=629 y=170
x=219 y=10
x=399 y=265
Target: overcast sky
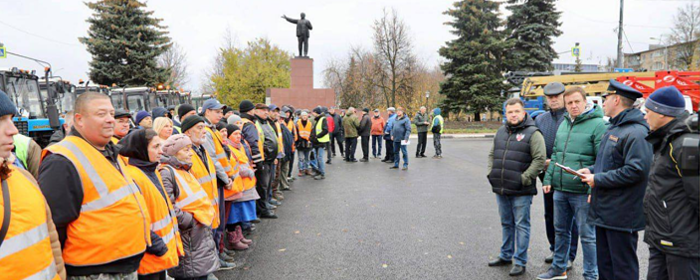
x=49 y=29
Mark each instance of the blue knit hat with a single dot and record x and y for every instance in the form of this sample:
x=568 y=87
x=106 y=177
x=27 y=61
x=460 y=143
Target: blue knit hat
x=6 y=105
x=141 y=115
x=667 y=101
x=437 y=111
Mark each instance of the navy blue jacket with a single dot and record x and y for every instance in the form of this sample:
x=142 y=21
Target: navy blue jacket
x=621 y=172
x=401 y=128
x=548 y=123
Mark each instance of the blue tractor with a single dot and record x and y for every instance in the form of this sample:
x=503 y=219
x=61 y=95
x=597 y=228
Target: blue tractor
x=38 y=115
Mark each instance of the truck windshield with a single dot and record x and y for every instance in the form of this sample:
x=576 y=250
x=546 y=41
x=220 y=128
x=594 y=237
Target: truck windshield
x=117 y=100
x=25 y=93
x=136 y=102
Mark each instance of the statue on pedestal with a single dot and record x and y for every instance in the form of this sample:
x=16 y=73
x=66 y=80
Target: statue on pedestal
x=303 y=27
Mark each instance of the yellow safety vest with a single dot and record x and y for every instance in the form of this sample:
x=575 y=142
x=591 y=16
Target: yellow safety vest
x=113 y=213
x=319 y=127
x=192 y=198
x=207 y=179
x=26 y=250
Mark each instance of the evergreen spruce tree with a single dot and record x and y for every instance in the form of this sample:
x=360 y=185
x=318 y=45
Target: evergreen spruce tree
x=475 y=60
x=125 y=40
x=532 y=25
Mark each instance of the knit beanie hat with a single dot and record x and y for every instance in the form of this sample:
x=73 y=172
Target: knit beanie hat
x=233 y=119
x=184 y=109
x=6 y=105
x=437 y=111
x=175 y=143
x=141 y=115
x=667 y=101
x=159 y=112
x=190 y=121
x=231 y=128
x=246 y=106
x=318 y=110
x=220 y=125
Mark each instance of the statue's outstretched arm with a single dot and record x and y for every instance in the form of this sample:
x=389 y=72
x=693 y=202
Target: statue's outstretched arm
x=290 y=19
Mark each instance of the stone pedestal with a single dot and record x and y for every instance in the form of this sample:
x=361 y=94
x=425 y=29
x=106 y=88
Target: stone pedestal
x=301 y=94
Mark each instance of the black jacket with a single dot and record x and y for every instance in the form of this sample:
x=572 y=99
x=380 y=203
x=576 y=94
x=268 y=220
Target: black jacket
x=671 y=207
x=365 y=126
x=61 y=185
x=621 y=170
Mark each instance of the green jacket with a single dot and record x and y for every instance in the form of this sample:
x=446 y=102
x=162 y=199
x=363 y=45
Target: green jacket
x=575 y=146
x=421 y=121
x=351 y=123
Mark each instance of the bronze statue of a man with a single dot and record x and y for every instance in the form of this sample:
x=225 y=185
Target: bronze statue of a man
x=303 y=27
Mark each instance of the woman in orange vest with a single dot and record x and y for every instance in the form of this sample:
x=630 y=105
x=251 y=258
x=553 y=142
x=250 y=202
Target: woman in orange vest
x=29 y=245
x=303 y=145
x=143 y=149
x=193 y=209
x=242 y=209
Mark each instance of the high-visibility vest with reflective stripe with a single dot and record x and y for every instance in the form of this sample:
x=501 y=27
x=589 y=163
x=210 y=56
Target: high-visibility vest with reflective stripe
x=261 y=136
x=220 y=153
x=192 y=198
x=26 y=250
x=319 y=127
x=293 y=128
x=242 y=158
x=207 y=179
x=237 y=188
x=163 y=223
x=441 y=122
x=304 y=130
x=21 y=147
x=280 y=142
x=113 y=221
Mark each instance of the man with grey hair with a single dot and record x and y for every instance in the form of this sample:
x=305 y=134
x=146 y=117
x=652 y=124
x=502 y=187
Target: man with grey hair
x=421 y=120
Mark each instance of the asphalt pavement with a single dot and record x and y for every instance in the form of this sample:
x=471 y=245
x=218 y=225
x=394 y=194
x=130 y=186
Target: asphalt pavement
x=437 y=220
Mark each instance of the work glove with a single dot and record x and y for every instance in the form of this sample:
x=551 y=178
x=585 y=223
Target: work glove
x=158 y=247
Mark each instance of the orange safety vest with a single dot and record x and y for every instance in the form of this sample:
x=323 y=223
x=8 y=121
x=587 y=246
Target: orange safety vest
x=242 y=158
x=293 y=129
x=237 y=190
x=163 y=223
x=124 y=159
x=113 y=213
x=305 y=130
x=261 y=136
x=220 y=153
x=192 y=198
x=207 y=179
x=280 y=142
x=26 y=250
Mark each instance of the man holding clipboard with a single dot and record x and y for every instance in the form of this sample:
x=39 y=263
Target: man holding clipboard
x=575 y=146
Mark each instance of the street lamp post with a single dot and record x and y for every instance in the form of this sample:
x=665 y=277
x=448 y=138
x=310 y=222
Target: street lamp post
x=427 y=94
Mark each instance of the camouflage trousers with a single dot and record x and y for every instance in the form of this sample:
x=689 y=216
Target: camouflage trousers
x=106 y=276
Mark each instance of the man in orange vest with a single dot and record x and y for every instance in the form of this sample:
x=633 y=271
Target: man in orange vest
x=29 y=244
x=212 y=111
x=100 y=215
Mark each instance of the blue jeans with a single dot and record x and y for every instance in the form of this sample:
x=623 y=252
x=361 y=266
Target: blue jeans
x=317 y=163
x=376 y=141
x=566 y=207
x=397 y=159
x=515 y=224
x=303 y=156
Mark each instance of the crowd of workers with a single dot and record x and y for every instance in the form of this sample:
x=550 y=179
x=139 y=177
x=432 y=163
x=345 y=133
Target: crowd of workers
x=171 y=193
x=603 y=182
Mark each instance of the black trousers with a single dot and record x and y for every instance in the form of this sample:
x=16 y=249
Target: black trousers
x=549 y=224
x=389 y=145
x=422 y=142
x=291 y=165
x=262 y=185
x=336 y=137
x=671 y=267
x=617 y=254
x=350 y=147
x=365 y=146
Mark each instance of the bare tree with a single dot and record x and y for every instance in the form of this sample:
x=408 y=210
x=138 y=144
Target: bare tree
x=175 y=59
x=394 y=55
x=686 y=29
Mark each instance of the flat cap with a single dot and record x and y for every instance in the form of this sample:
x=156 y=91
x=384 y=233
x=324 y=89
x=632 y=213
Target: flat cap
x=554 y=88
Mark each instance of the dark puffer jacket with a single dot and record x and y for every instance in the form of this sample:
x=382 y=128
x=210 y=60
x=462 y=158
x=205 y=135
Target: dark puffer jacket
x=200 y=252
x=621 y=170
x=671 y=207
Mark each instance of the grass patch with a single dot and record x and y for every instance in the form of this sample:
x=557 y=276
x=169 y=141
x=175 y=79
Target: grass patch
x=465 y=128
